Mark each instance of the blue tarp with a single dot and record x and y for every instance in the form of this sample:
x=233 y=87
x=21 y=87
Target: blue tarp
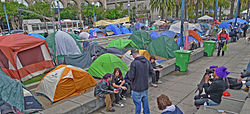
x=224 y=25
x=168 y=33
x=124 y=30
x=114 y=28
x=37 y=35
x=139 y=25
x=238 y=21
x=94 y=30
x=154 y=35
x=190 y=38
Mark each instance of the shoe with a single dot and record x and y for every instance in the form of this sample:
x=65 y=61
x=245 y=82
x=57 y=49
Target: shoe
x=159 y=82
x=154 y=85
x=119 y=104
x=112 y=110
x=123 y=97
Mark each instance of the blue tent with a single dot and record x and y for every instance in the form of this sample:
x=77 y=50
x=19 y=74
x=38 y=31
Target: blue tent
x=14 y=94
x=139 y=25
x=97 y=30
x=114 y=28
x=238 y=21
x=124 y=30
x=168 y=33
x=154 y=35
x=224 y=25
x=37 y=35
x=190 y=38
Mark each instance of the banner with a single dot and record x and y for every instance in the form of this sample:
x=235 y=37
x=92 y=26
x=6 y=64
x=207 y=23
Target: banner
x=108 y=22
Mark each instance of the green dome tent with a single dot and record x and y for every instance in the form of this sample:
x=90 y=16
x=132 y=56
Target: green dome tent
x=121 y=43
x=163 y=46
x=106 y=63
x=141 y=39
x=62 y=44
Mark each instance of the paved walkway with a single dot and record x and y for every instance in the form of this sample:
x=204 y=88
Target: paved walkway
x=180 y=87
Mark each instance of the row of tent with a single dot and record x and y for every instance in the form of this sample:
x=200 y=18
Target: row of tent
x=228 y=23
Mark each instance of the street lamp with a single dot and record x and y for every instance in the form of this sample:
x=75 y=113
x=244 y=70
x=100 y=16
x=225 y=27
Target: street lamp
x=59 y=16
x=182 y=22
x=216 y=9
x=93 y=4
x=129 y=10
x=236 y=13
x=3 y=1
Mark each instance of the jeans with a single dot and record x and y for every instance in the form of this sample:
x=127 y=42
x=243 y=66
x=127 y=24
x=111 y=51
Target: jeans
x=156 y=77
x=139 y=97
x=200 y=100
x=248 y=83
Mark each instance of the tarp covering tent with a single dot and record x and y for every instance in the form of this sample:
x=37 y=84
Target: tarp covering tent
x=158 y=23
x=124 y=30
x=65 y=81
x=117 y=51
x=121 y=43
x=99 y=32
x=141 y=39
x=163 y=47
x=224 y=25
x=239 y=20
x=84 y=35
x=106 y=63
x=139 y=25
x=15 y=94
x=177 y=27
x=206 y=17
x=23 y=57
x=154 y=35
x=96 y=50
x=190 y=38
x=114 y=28
x=82 y=60
x=62 y=44
x=168 y=33
x=195 y=35
x=37 y=35
x=127 y=58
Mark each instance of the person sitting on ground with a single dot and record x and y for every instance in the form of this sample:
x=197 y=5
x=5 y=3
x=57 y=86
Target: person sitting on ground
x=214 y=90
x=119 y=83
x=243 y=75
x=157 y=69
x=104 y=90
x=166 y=105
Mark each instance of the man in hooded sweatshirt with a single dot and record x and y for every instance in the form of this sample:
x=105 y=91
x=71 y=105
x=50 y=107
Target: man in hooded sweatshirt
x=138 y=75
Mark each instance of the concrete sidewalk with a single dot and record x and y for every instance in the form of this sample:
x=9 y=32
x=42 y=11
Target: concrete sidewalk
x=180 y=87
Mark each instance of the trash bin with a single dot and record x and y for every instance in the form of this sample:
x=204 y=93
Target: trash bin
x=209 y=47
x=182 y=60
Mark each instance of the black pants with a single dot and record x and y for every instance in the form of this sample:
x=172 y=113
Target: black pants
x=244 y=33
x=220 y=46
x=156 y=77
x=121 y=92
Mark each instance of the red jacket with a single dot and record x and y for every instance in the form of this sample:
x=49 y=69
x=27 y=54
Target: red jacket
x=225 y=35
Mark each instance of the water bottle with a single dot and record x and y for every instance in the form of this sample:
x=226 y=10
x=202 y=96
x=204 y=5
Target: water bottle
x=205 y=105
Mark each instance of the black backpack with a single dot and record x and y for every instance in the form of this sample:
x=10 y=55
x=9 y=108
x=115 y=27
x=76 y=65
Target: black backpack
x=233 y=83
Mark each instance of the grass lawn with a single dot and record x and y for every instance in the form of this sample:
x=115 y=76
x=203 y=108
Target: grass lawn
x=34 y=79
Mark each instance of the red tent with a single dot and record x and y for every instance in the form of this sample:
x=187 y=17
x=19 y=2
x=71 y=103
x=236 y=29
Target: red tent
x=23 y=57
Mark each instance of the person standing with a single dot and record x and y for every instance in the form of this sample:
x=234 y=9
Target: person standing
x=245 y=27
x=222 y=39
x=139 y=72
x=157 y=69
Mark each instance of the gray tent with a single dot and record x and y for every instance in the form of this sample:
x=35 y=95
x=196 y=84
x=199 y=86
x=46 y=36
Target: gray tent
x=81 y=60
x=96 y=50
x=84 y=35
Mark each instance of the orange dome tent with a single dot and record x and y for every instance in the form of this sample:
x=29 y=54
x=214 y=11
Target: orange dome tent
x=195 y=35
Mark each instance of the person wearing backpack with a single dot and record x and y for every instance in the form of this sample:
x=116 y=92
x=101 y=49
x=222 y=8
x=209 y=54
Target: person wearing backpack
x=222 y=40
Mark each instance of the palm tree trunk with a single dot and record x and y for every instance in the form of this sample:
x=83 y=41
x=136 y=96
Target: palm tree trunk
x=162 y=13
x=232 y=9
x=248 y=12
x=202 y=13
x=239 y=8
x=196 y=10
x=215 y=12
x=185 y=11
x=220 y=13
x=177 y=9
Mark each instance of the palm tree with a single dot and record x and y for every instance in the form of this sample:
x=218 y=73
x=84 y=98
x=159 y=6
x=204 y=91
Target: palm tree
x=223 y=4
x=177 y=3
x=196 y=9
x=160 y=5
x=232 y=9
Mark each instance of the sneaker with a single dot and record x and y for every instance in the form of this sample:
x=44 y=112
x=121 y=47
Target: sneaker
x=159 y=82
x=123 y=97
x=154 y=85
x=112 y=110
x=119 y=104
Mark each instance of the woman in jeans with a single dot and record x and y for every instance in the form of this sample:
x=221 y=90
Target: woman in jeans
x=119 y=83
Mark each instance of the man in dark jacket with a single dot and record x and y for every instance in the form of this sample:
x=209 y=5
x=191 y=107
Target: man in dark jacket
x=106 y=91
x=214 y=90
x=139 y=72
x=245 y=27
